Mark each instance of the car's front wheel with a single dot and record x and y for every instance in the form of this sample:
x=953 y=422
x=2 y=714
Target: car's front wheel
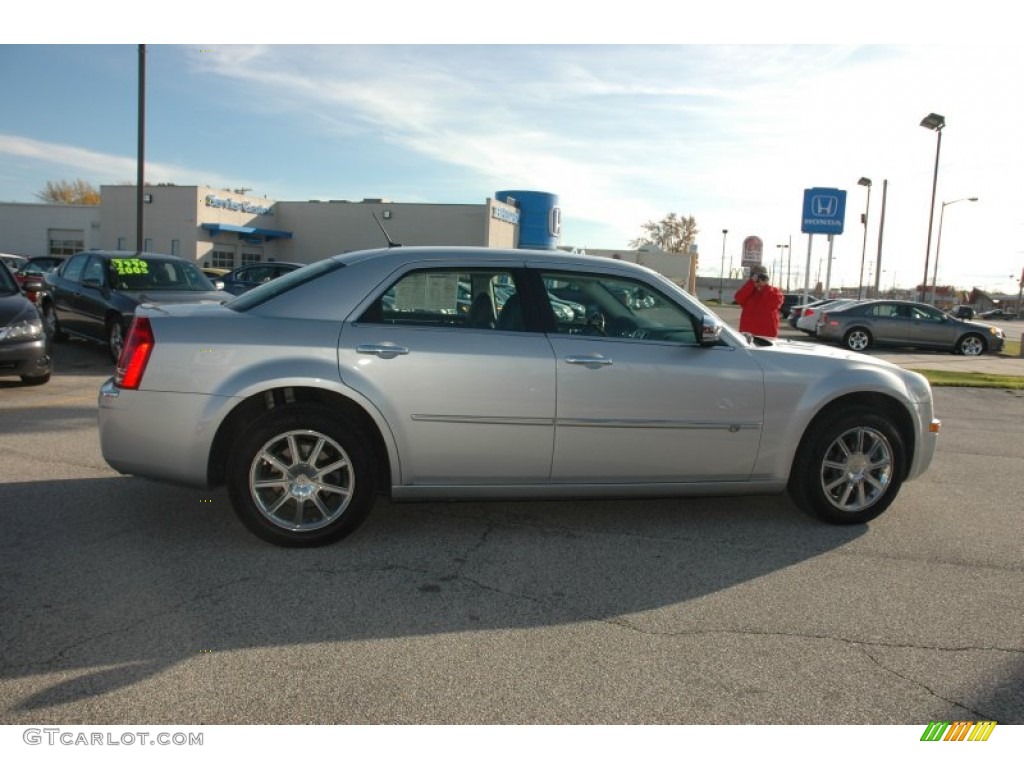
x=971 y=345
x=849 y=467
x=301 y=476
x=51 y=323
x=857 y=339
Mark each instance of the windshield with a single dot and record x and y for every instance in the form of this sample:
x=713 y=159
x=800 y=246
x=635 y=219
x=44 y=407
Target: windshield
x=140 y=273
x=7 y=283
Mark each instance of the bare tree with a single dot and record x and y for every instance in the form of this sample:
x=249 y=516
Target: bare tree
x=673 y=234
x=77 y=192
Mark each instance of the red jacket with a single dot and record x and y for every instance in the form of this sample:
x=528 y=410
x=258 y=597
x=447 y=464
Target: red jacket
x=760 y=314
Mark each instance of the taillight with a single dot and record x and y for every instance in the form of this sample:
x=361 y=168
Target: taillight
x=131 y=364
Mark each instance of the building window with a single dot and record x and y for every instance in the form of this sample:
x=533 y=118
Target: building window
x=122 y=244
x=252 y=256
x=65 y=242
x=147 y=244
x=175 y=247
x=223 y=257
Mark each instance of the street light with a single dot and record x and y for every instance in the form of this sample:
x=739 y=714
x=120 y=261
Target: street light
x=721 y=275
x=864 y=182
x=932 y=122
x=938 y=240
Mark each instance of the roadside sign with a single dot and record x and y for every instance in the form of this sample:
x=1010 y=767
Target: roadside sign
x=753 y=251
x=824 y=211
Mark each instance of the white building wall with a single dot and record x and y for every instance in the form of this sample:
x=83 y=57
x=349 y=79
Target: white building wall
x=26 y=228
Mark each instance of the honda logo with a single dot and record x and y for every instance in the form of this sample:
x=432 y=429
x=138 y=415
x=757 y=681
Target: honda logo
x=825 y=205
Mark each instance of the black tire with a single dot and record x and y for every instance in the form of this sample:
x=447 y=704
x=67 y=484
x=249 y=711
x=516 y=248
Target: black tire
x=971 y=345
x=857 y=339
x=35 y=381
x=116 y=333
x=849 y=467
x=301 y=476
x=51 y=323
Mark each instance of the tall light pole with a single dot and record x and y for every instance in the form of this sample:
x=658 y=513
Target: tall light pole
x=932 y=122
x=141 y=169
x=938 y=240
x=864 y=181
x=721 y=278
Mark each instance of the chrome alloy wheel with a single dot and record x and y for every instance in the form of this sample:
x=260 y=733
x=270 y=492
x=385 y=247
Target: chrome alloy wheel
x=301 y=480
x=857 y=469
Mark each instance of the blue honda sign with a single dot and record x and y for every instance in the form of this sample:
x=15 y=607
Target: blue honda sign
x=824 y=211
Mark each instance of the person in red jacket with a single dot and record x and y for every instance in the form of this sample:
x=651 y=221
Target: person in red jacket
x=760 y=301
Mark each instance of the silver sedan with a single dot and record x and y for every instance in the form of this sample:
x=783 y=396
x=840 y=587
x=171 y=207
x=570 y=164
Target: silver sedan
x=364 y=374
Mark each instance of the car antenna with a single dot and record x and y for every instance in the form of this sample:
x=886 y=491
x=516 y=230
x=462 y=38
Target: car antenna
x=391 y=243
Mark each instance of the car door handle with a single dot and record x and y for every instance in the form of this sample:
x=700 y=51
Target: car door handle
x=590 y=361
x=385 y=351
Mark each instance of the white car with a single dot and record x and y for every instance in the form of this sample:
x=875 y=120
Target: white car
x=808 y=320
x=358 y=375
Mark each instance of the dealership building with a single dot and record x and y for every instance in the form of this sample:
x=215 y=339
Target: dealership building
x=226 y=229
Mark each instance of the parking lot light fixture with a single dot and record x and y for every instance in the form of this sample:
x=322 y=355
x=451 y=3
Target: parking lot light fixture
x=938 y=240
x=932 y=122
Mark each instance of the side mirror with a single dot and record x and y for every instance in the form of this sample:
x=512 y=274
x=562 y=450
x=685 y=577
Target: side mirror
x=710 y=331
x=218 y=284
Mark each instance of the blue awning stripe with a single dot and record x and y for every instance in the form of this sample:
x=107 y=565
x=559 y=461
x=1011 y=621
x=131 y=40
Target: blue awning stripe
x=269 y=234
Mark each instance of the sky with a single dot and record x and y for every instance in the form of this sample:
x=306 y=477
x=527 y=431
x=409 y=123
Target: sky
x=724 y=121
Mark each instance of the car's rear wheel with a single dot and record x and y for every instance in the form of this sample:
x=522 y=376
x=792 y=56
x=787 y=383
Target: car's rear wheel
x=971 y=345
x=857 y=339
x=301 y=476
x=115 y=336
x=34 y=381
x=849 y=467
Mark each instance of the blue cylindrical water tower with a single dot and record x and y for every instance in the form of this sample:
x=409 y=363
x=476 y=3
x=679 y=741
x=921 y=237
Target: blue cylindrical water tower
x=540 y=218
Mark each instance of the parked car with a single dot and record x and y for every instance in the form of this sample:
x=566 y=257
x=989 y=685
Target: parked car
x=216 y=275
x=24 y=344
x=358 y=374
x=963 y=312
x=12 y=261
x=797 y=310
x=907 y=324
x=790 y=300
x=94 y=294
x=997 y=314
x=36 y=267
x=249 y=276
x=808 y=320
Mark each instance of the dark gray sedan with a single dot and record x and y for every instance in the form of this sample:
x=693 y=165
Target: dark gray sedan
x=907 y=324
x=94 y=294
x=24 y=346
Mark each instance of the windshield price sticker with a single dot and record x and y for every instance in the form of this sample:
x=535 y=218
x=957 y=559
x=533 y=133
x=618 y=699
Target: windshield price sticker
x=130 y=266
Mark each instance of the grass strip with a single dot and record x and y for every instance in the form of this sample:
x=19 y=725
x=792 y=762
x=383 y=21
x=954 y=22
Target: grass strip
x=965 y=379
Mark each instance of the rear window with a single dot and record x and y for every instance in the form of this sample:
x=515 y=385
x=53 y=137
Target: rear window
x=267 y=291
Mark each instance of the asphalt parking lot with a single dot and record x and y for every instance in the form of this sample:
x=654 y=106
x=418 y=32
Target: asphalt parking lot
x=128 y=601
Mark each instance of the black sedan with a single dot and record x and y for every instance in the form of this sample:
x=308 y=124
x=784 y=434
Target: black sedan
x=94 y=294
x=24 y=344
x=906 y=324
x=249 y=276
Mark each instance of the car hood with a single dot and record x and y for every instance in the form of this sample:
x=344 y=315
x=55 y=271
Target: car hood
x=818 y=351
x=15 y=307
x=177 y=297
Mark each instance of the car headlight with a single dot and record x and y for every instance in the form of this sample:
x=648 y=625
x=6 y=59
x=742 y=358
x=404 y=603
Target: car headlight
x=23 y=330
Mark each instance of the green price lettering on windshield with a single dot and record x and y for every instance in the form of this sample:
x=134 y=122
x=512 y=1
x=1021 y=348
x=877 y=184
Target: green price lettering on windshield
x=130 y=266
